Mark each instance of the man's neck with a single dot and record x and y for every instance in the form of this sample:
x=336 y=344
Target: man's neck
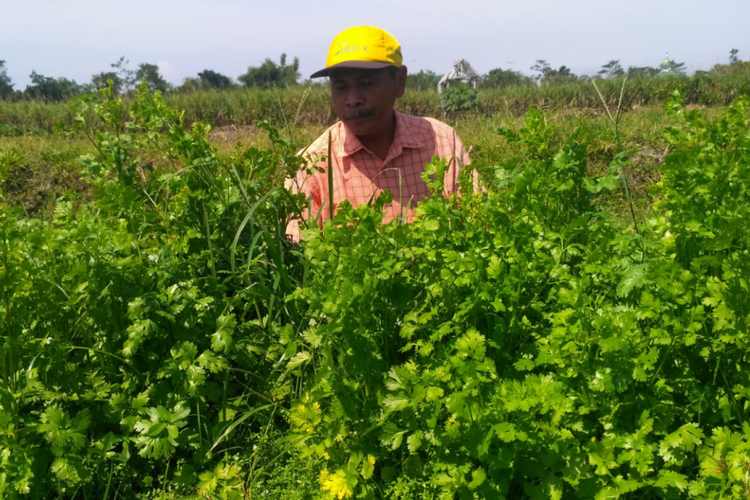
x=380 y=143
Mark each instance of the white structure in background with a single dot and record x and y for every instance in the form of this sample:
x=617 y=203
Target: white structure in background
x=461 y=72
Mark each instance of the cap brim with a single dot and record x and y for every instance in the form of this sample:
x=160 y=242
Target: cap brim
x=351 y=64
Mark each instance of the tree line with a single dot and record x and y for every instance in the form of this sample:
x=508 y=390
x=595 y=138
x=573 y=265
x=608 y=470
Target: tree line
x=124 y=79
x=272 y=74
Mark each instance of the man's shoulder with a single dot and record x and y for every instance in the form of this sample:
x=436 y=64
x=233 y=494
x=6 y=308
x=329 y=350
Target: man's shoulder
x=430 y=126
x=320 y=145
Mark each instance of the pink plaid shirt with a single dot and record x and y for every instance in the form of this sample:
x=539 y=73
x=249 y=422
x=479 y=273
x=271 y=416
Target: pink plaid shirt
x=360 y=176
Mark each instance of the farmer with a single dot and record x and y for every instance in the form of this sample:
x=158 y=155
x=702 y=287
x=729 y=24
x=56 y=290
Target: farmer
x=373 y=147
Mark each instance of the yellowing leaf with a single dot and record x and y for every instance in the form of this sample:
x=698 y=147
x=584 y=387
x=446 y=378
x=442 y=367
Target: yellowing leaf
x=338 y=484
x=434 y=393
x=368 y=467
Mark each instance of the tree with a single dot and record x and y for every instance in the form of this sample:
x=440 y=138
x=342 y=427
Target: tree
x=6 y=84
x=424 y=80
x=154 y=80
x=101 y=80
x=269 y=74
x=736 y=67
x=733 y=59
x=542 y=67
x=213 y=80
x=499 y=78
x=549 y=76
x=611 y=70
x=673 y=66
x=53 y=89
x=642 y=72
x=122 y=78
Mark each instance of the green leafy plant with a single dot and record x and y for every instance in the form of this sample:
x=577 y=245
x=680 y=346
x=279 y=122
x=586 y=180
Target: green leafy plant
x=165 y=340
x=458 y=98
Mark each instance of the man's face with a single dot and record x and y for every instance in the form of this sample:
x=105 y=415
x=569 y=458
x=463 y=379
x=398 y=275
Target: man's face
x=364 y=98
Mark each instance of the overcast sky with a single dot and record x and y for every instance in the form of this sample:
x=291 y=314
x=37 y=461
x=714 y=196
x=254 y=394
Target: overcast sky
x=78 y=38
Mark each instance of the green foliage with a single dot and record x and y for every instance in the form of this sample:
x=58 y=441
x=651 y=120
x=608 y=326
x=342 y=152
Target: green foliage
x=206 y=80
x=499 y=78
x=547 y=75
x=424 y=80
x=611 y=70
x=213 y=80
x=735 y=68
x=642 y=72
x=150 y=73
x=671 y=66
x=733 y=59
x=166 y=341
x=6 y=84
x=51 y=89
x=523 y=344
x=123 y=78
x=102 y=80
x=311 y=105
x=269 y=74
x=458 y=98
x=143 y=365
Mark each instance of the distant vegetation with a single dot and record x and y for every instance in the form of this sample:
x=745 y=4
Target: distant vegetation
x=271 y=91
x=271 y=74
x=6 y=85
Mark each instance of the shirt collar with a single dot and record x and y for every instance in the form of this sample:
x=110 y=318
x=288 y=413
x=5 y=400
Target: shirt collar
x=348 y=143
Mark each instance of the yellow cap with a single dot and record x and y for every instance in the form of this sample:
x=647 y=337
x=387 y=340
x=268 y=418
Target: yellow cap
x=362 y=47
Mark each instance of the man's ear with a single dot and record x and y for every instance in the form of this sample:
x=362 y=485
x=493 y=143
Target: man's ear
x=401 y=81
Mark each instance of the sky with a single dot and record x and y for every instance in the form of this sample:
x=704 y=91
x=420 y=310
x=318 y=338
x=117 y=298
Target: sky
x=78 y=38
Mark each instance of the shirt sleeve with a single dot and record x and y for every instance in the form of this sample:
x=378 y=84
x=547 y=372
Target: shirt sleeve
x=460 y=158
x=310 y=187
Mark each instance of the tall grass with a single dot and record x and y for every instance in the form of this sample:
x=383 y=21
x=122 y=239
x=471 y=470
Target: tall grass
x=303 y=105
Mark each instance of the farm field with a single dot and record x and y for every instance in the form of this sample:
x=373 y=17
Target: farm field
x=579 y=330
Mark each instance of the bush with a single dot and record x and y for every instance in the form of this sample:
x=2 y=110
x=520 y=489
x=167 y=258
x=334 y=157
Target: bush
x=269 y=74
x=526 y=345
x=515 y=343
x=458 y=98
x=424 y=80
x=500 y=78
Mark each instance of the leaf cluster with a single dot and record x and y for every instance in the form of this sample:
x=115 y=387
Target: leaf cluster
x=518 y=342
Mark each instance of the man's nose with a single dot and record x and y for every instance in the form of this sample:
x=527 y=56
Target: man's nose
x=355 y=97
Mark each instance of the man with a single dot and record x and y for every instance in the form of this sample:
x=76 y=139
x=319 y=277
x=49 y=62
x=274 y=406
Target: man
x=373 y=147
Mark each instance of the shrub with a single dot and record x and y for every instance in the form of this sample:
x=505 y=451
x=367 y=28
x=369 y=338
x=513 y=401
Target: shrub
x=458 y=98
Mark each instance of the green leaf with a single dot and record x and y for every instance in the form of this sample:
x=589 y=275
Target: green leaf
x=298 y=359
x=414 y=441
x=156 y=429
x=222 y=340
x=477 y=478
x=671 y=479
x=396 y=403
x=635 y=276
x=392 y=436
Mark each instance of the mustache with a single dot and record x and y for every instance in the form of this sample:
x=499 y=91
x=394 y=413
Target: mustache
x=359 y=113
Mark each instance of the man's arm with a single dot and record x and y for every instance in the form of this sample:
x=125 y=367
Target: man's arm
x=459 y=159
x=309 y=186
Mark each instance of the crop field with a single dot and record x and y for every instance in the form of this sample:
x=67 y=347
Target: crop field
x=578 y=329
